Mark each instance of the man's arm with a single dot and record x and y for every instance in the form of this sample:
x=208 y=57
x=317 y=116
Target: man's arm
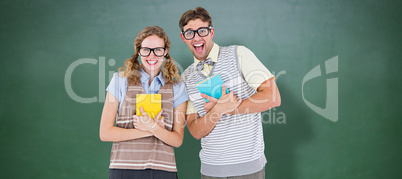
x=267 y=97
x=201 y=127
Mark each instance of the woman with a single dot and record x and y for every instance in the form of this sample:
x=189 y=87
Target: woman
x=142 y=146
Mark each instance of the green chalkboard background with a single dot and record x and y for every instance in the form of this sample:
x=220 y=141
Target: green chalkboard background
x=57 y=57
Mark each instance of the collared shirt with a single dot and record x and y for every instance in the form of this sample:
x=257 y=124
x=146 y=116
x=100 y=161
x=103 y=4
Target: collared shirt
x=118 y=87
x=155 y=85
x=254 y=72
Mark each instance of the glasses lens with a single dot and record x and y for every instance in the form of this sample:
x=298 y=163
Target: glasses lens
x=188 y=34
x=159 y=51
x=202 y=32
x=145 y=52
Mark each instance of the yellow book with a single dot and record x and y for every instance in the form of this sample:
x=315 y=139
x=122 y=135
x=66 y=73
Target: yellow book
x=151 y=103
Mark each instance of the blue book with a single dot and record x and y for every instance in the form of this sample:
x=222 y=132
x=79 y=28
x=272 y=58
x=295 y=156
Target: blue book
x=211 y=86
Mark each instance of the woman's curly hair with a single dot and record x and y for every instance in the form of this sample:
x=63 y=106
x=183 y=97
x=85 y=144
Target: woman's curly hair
x=131 y=68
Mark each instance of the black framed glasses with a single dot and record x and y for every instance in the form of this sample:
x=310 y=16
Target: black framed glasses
x=202 y=32
x=158 y=51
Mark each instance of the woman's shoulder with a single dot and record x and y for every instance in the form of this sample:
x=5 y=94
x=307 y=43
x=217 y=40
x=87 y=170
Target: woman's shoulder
x=119 y=76
x=180 y=93
x=118 y=80
x=179 y=88
x=178 y=83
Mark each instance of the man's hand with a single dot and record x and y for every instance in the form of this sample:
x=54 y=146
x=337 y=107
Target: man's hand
x=228 y=102
x=212 y=101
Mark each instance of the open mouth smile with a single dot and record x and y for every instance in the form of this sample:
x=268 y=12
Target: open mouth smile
x=199 y=48
x=151 y=62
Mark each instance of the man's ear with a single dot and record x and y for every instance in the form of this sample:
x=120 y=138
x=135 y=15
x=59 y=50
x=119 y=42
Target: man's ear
x=212 y=32
x=182 y=38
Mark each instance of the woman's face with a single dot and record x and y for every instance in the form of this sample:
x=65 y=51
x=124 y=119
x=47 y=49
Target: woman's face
x=152 y=45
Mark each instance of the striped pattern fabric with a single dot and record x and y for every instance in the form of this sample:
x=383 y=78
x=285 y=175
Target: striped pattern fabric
x=147 y=152
x=236 y=138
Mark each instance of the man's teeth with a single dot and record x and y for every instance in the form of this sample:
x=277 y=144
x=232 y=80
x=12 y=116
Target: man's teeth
x=198 y=45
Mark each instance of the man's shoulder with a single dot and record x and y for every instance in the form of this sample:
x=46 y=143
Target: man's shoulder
x=243 y=49
x=188 y=70
x=239 y=49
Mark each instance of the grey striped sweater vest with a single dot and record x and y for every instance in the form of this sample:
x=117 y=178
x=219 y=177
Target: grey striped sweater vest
x=147 y=152
x=236 y=139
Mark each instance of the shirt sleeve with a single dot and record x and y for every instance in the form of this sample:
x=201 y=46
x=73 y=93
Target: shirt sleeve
x=118 y=87
x=190 y=107
x=113 y=87
x=254 y=72
x=180 y=94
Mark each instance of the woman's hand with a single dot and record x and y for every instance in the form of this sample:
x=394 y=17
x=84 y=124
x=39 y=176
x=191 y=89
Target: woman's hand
x=161 y=121
x=146 y=123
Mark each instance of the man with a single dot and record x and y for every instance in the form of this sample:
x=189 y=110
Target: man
x=230 y=127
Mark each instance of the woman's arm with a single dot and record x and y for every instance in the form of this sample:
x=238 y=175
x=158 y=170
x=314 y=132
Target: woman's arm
x=173 y=138
x=108 y=131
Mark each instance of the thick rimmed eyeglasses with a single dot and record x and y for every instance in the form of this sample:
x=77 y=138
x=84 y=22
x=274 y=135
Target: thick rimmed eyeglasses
x=159 y=51
x=202 y=32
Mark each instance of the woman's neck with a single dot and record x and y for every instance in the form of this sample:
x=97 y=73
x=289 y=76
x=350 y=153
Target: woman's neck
x=152 y=74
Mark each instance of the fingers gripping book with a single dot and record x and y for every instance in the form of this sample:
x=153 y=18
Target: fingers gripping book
x=211 y=86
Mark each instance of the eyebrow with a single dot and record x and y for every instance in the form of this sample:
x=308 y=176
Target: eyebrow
x=192 y=29
x=152 y=48
x=187 y=29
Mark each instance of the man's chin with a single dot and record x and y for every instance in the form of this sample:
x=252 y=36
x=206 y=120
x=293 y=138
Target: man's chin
x=199 y=56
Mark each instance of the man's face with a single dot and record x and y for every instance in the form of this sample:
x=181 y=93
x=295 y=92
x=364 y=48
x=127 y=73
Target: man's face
x=199 y=46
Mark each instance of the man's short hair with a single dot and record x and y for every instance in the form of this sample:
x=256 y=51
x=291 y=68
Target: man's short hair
x=193 y=14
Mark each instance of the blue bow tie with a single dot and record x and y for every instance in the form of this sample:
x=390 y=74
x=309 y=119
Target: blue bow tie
x=200 y=64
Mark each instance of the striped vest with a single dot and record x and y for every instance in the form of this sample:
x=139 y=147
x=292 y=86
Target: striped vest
x=147 y=152
x=236 y=139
